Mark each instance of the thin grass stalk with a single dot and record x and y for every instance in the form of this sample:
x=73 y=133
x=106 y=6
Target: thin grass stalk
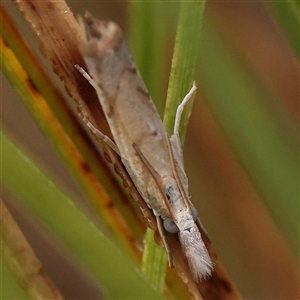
x=22 y=261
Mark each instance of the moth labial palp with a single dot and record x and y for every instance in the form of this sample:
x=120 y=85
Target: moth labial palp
x=152 y=159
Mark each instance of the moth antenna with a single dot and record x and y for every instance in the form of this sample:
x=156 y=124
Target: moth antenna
x=86 y=75
x=155 y=176
x=84 y=115
x=176 y=176
x=102 y=137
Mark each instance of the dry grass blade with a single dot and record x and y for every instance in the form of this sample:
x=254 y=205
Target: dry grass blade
x=58 y=32
x=22 y=261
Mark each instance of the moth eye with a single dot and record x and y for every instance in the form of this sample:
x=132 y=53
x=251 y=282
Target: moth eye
x=170 y=226
x=169 y=191
x=194 y=213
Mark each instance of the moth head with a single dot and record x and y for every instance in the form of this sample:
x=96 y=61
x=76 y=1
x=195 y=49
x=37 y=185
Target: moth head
x=99 y=36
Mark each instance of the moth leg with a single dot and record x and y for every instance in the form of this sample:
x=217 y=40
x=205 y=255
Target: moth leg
x=84 y=115
x=175 y=139
x=102 y=137
x=162 y=234
x=86 y=75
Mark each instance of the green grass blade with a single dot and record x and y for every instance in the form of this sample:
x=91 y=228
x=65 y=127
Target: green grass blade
x=154 y=261
x=184 y=62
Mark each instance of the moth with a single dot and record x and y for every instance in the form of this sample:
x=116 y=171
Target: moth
x=153 y=160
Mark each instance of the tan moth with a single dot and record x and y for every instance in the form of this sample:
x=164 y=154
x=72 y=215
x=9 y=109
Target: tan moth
x=153 y=160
